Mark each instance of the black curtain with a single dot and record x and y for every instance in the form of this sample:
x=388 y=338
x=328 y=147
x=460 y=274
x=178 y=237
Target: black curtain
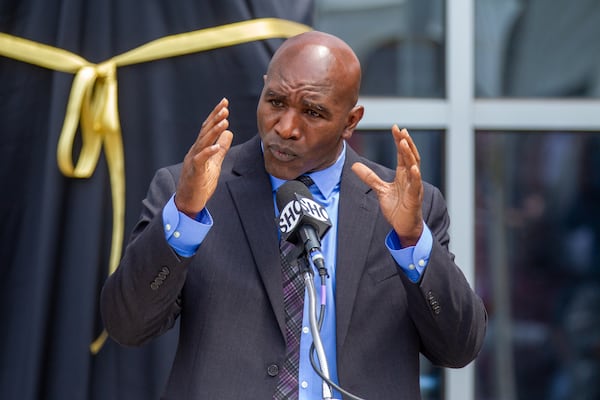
x=56 y=231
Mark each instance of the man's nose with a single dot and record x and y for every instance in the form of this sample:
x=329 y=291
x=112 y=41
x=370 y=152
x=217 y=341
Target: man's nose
x=287 y=126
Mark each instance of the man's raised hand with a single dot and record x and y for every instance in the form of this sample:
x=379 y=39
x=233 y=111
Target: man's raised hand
x=400 y=200
x=202 y=163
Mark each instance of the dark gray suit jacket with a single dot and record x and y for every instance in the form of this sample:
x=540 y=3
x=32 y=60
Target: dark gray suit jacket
x=230 y=301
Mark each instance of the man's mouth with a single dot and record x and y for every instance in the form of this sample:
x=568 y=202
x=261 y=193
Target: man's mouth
x=282 y=154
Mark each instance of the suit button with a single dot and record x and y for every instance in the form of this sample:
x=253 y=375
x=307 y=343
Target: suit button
x=434 y=303
x=273 y=370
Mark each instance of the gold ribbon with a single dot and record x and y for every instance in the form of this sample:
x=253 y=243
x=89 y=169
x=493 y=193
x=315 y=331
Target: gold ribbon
x=93 y=101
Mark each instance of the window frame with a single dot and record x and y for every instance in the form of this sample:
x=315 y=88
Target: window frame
x=461 y=115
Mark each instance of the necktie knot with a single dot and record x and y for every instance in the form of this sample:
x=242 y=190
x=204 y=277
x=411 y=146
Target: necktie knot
x=306 y=180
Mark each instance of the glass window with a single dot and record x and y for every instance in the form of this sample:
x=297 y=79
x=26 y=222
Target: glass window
x=538 y=264
x=537 y=48
x=400 y=43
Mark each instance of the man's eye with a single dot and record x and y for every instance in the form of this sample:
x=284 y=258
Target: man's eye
x=313 y=113
x=276 y=103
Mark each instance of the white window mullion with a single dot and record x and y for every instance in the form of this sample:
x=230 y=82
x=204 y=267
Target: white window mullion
x=460 y=156
x=537 y=114
x=411 y=113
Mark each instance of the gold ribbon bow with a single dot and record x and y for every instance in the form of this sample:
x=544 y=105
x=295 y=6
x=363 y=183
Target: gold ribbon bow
x=93 y=100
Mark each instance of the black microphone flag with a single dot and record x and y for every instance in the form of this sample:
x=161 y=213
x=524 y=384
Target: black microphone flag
x=298 y=210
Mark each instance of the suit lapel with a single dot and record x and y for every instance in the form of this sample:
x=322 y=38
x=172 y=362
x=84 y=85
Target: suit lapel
x=253 y=197
x=356 y=220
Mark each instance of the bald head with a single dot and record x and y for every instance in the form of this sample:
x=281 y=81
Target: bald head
x=323 y=57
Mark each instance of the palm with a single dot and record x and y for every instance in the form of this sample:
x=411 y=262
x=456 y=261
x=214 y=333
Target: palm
x=401 y=199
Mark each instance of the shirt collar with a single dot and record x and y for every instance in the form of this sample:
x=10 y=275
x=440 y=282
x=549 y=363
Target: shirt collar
x=326 y=179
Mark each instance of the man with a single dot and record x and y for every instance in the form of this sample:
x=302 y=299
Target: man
x=206 y=249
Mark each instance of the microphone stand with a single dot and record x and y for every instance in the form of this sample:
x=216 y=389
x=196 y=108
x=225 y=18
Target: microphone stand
x=316 y=258
x=314 y=329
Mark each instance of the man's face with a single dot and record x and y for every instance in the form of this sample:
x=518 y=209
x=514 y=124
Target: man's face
x=303 y=114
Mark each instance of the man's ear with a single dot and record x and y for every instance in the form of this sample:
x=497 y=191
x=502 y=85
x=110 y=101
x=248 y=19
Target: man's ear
x=354 y=117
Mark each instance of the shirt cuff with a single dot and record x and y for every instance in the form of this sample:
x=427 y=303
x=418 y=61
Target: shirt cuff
x=412 y=259
x=185 y=234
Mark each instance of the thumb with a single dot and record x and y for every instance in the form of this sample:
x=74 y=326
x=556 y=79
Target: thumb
x=225 y=139
x=224 y=142
x=369 y=177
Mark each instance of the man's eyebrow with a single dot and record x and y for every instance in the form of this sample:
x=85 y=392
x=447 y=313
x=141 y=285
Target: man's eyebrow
x=318 y=107
x=273 y=93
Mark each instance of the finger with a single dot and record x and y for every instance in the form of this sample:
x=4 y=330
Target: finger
x=403 y=159
x=406 y=155
x=224 y=103
x=218 y=114
x=210 y=133
x=399 y=138
x=403 y=153
x=225 y=140
x=369 y=177
x=216 y=151
x=224 y=143
x=415 y=189
x=412 y=145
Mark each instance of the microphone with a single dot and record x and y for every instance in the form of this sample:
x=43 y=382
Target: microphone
x=302 y=221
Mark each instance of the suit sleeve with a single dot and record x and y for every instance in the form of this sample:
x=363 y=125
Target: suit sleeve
x=449 y=315
x=141 y=299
